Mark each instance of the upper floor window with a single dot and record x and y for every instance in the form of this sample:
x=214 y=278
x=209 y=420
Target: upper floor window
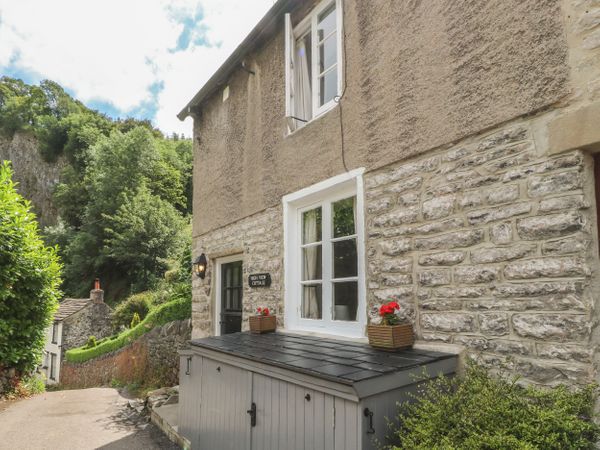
x=313 y=63
x=324 y=257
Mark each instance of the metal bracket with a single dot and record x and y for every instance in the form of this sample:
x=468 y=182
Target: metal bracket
x=368 y=413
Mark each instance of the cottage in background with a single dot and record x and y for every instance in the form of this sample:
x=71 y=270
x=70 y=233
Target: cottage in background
x=75 y=321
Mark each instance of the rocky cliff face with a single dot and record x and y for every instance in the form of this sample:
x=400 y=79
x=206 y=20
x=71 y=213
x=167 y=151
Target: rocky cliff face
x=36 y=177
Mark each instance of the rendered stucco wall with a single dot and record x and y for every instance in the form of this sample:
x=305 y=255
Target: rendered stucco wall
x=419 y=75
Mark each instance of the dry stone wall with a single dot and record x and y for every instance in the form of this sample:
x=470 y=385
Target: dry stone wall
x=489 y=245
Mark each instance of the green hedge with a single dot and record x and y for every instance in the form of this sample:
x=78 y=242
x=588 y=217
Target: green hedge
x=175 y=310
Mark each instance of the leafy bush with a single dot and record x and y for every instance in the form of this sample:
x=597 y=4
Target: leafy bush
x=175 y=310
x=138 y=304
x=481 y=412
x=29 y=280
x=135 y=321
x=91 y=342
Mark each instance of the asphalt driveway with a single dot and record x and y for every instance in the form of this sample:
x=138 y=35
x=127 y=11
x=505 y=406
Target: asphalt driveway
x=96 y=418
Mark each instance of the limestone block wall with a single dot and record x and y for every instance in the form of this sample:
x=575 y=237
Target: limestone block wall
x=490 y=245
x=258 y=240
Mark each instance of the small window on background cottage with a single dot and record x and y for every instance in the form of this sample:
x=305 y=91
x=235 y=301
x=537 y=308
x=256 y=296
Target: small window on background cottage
x=312 y=64
x=55 y=333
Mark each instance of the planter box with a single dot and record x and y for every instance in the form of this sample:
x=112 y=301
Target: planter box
x=391 y=337
x=262 y=324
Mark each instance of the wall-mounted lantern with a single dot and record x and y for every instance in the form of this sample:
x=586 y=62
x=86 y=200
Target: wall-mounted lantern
x=199 y=266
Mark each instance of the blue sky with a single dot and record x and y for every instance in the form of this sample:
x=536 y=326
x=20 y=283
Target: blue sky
x=126 y=58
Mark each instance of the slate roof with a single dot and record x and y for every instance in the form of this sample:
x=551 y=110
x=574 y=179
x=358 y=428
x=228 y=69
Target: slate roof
x=341 y=361
x=70 y=306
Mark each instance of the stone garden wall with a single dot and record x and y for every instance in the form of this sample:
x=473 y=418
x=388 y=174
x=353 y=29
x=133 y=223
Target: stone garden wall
x=152 y=358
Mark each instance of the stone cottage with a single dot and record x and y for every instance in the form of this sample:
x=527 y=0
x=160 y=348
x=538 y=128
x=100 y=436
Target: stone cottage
x=75 y=321
x=438 y=153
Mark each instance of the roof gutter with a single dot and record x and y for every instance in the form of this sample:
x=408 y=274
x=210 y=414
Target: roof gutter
x=264 y=29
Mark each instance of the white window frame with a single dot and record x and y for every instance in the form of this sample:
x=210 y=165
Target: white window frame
x=291 y=35
x=218 y=263
x=331 y=190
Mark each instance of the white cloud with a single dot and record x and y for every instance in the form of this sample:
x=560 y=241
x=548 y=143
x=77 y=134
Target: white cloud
x=115 y=50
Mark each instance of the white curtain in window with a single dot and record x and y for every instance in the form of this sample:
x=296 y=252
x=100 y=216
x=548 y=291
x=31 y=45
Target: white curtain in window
x=310 y=306
x=302 y=92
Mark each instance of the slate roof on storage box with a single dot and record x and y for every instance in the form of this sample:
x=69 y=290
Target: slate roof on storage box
x=338 y=360
x=70 y=306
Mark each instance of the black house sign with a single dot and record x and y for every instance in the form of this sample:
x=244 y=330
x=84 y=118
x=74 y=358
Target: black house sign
x=259 y=280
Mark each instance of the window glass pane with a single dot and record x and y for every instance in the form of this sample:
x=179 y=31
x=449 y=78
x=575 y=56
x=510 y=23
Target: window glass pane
x=328 y=87
x=302 y=88
x=326 y=22
x=345 y=300
x=311 y=226
x=327 y=53
x=343 y=217
x=344 y=259
x=312 y=302
x=311 y=263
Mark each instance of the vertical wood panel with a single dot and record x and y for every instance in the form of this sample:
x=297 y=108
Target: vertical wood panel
x=328 y=422
x=225 y=399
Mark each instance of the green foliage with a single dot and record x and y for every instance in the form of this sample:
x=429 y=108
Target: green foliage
x=29 y=280
x=91 y=342
x=128 y=228
x=139 y=304
x=179 y=309
x=124 y=184
x=481 y=412
x=135 y=321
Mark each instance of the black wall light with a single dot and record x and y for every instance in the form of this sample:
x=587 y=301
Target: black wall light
x=199 y=266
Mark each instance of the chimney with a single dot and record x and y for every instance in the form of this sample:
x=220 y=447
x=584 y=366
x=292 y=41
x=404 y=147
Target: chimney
x=97 y=294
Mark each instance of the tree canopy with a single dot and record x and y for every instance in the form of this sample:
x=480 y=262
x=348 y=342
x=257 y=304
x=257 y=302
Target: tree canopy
x=124 y=197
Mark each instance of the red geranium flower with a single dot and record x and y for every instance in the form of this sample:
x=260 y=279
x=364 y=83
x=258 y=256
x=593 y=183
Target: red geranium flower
x=388 y=312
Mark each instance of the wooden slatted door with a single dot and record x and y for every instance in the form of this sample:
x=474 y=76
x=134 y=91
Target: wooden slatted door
x=225 y=399
x=292 y=417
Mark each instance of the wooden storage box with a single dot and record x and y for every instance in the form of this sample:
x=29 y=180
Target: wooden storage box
x=262 y=324
x=391 y=337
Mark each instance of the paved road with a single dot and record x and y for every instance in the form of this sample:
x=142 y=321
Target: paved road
x=82 y=419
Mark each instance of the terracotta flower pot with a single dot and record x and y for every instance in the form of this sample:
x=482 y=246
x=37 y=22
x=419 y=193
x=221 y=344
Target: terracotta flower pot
x=391 y=337
x=262 y=324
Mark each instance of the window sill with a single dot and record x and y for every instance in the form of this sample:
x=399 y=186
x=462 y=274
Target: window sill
x=323 y=113
x=341 y=337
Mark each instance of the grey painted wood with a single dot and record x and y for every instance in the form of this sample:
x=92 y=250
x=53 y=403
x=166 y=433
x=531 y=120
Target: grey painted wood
x=189 y=404
x=347 y=425
x=287 y=420
x=226 y=396
x=213 y=405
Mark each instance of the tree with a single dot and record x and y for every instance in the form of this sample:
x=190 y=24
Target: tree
x=29 y=280
x=143 y=234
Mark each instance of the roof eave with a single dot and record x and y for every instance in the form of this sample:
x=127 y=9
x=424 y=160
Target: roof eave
x=260 y=32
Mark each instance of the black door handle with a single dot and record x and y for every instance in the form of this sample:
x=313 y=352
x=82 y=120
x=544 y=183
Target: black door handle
x=188 y=368
x=252 y=412
x=368 y=413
